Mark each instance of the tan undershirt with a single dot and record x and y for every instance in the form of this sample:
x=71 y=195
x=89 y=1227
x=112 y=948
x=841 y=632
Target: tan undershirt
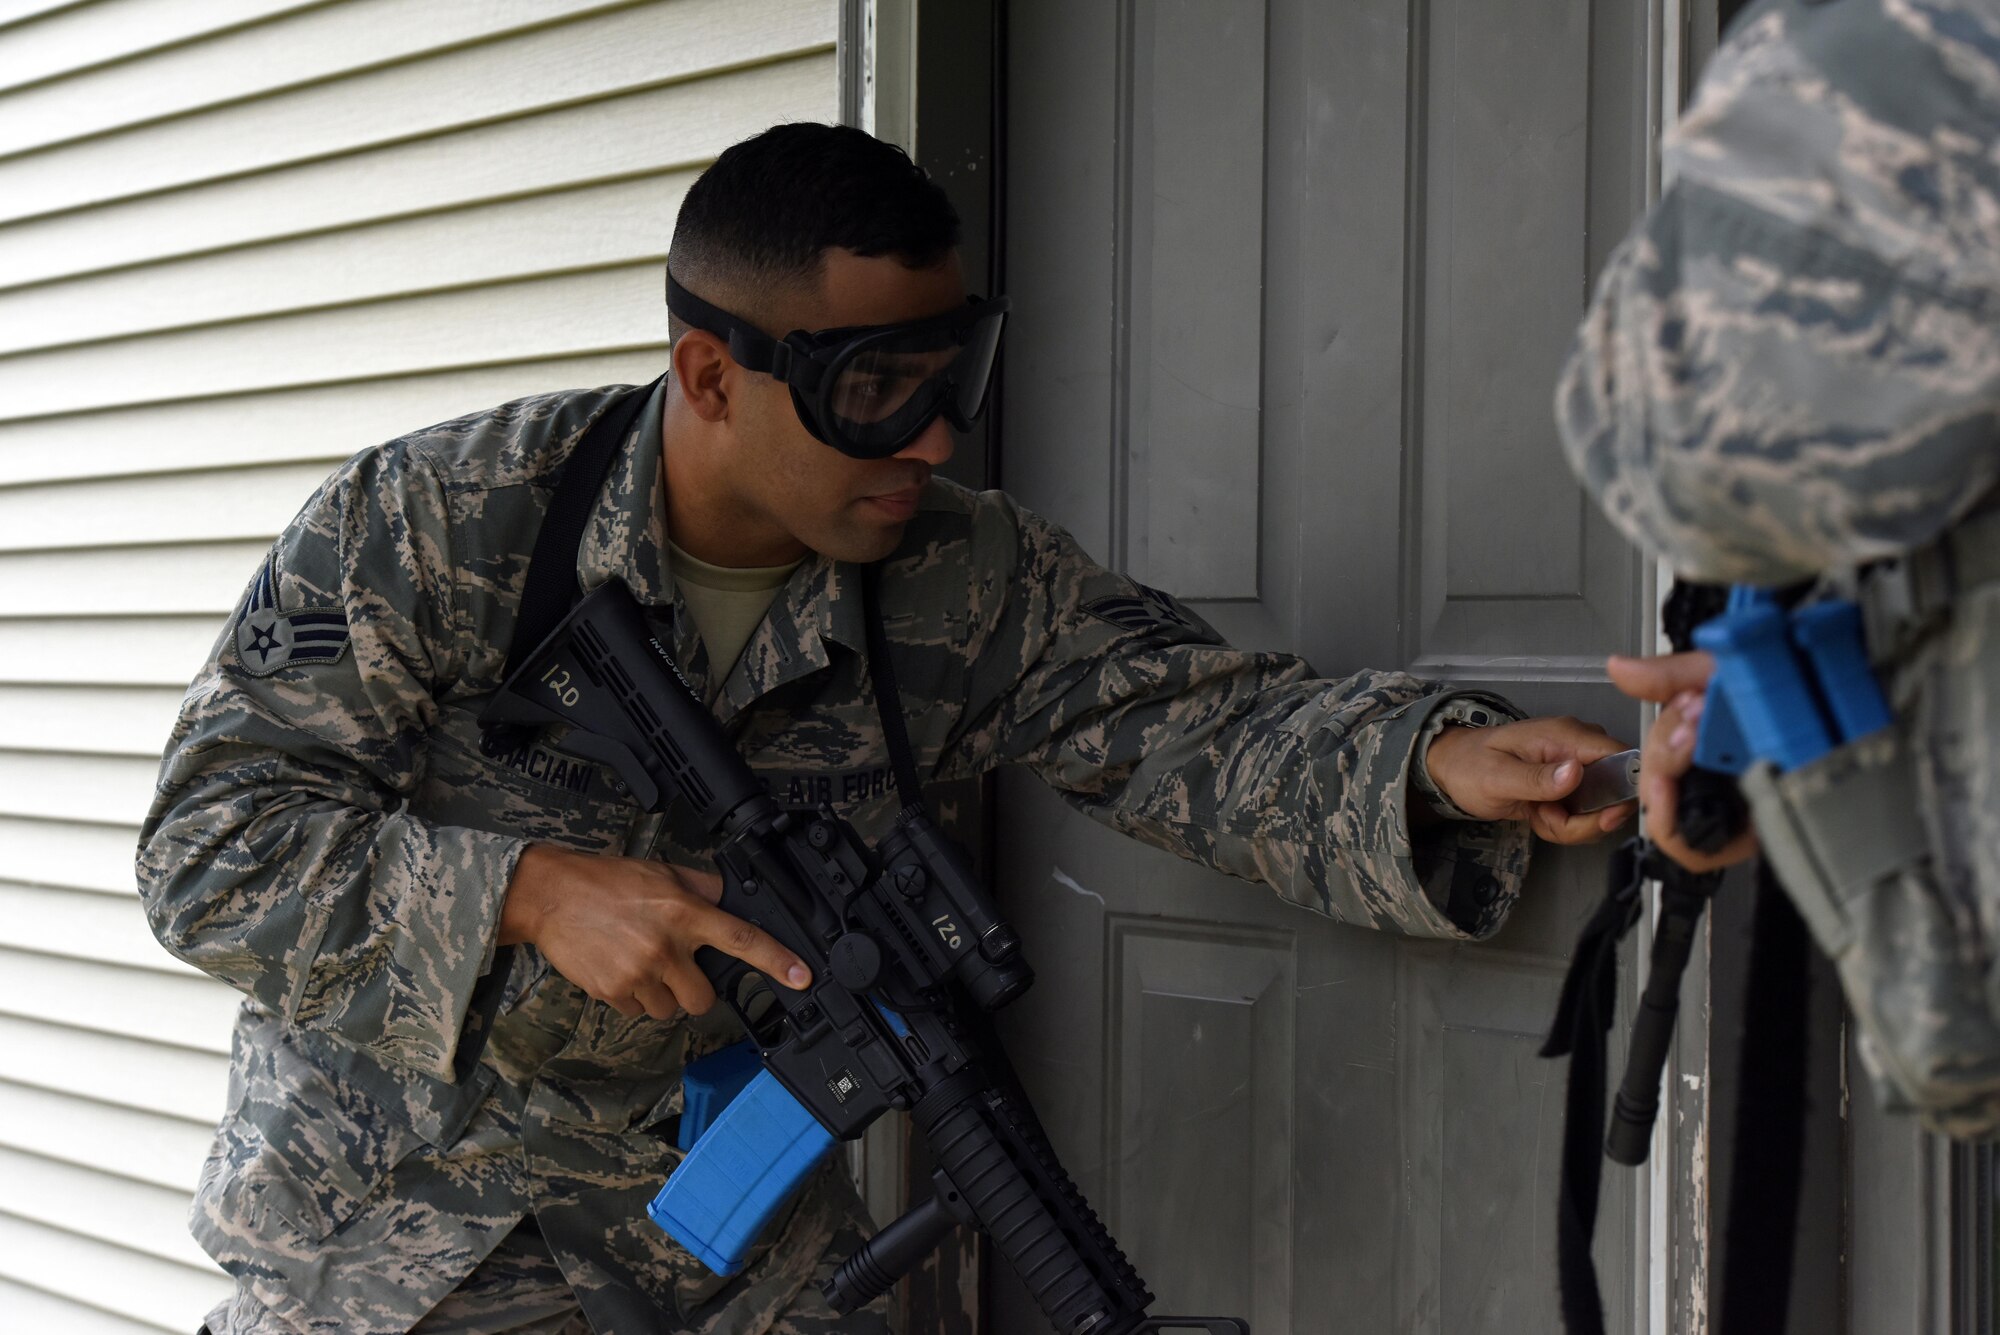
x=727 y=603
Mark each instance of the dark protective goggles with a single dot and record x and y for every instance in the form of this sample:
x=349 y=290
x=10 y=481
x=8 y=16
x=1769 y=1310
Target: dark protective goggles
x=871 y=390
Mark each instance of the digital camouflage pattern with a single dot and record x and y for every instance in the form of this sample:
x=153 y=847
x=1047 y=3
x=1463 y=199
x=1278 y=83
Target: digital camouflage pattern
x=331 y=837
x=1792 y=368
x=1794 y=363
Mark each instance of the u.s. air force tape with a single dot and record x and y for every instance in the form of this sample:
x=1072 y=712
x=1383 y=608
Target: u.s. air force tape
x=270 y=638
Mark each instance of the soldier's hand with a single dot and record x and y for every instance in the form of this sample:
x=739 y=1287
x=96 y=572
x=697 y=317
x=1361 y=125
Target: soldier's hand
x=1523 y=771
x=625 y=929
x=1677 y=683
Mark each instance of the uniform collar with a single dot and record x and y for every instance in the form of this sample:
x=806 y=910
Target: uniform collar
x=626 y=539
x=819 y=606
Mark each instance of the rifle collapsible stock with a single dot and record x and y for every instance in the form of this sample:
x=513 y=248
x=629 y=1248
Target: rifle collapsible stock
x=907 y=952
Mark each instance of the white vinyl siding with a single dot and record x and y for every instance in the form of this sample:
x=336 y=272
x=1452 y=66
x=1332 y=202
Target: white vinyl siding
x=239 y=241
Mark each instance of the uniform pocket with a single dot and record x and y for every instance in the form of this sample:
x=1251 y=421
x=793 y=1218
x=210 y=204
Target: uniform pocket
x=1838 y=829
x=322 y=1144
x=1844 y=837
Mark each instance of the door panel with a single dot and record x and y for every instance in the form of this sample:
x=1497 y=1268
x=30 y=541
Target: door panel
x=1194 y=234
x=1292 y=282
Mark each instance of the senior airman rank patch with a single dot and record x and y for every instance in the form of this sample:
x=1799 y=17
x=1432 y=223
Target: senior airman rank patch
x=269 y=638
x=1145 y=609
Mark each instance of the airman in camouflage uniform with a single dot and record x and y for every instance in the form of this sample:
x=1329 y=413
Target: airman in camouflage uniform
x=332 y=837
x=1792 y=369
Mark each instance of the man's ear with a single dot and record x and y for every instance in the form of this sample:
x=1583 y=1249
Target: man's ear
x=701 y=363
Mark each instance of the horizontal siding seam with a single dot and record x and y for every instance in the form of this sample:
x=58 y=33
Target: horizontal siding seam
x=321 y=81
x=570 y=354
x=27 y=1282
x=99 y=1166
x=112 y=545
x=168 y=967
x=96 y=1031
x=89 y=821
x=123 y=892
x=158 y=48
x=68 y=618
x=149 y=1110
x=46 y=11
x=213 y=1050
x=457 y=127
x=360 y=224
x=163 y=474
x=357 y=303
x=34 y=1221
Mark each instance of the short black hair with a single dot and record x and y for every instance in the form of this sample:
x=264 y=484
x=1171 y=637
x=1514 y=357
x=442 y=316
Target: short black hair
x=761 y=218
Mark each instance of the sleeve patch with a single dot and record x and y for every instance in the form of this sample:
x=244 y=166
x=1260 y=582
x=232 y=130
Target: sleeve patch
x=1143 y=609
x=270 y=639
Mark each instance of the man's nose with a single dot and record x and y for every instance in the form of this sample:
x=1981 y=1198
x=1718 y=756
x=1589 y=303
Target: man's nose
x=933 y=446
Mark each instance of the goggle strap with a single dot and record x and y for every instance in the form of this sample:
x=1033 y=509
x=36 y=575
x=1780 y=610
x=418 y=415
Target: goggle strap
x=753 y=349
x=776 y=358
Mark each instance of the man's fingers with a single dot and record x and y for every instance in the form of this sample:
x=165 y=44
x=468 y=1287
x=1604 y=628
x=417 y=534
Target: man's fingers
x=704 y=883
x=1660 y=770
x=1557 y=739
x=656 y=999
x=692 y=988
x=1662 y=678
x=1553 y=823
x=754 y=946
x=1547 y=783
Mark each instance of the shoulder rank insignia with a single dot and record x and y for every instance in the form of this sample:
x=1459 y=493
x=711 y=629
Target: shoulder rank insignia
x=1144 y=609
x=269 y=638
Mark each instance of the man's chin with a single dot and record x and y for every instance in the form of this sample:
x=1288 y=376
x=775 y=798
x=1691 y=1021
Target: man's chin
x=863 y=545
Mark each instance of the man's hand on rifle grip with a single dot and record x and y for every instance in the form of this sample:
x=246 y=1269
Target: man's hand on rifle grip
x=1677 y=683
x=625 y=930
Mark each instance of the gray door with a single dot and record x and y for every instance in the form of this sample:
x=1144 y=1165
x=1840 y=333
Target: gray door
x=1292 y=283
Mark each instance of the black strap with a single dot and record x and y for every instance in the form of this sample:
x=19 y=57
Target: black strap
x=909 y=787
x=1581 y=1030
x=888 y=700
x=1762 y=1221
x=546 y=598
x=551 y=590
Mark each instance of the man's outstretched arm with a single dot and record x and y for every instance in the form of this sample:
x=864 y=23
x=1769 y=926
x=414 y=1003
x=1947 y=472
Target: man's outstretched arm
x=1134 y=710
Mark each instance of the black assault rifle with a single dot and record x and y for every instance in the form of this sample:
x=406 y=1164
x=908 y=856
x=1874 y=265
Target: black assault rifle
x=907 y=953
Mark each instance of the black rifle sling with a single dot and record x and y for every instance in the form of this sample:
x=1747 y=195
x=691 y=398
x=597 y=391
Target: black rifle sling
x=1761 y=1224
x=1582 y=1030
x=997 y=1065
x=551 y=589
x=889 y=700
x=546 y=598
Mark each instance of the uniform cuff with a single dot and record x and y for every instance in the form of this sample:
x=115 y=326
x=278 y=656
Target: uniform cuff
x=1468 y=872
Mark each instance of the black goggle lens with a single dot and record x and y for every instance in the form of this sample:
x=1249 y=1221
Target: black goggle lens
x=885 y=392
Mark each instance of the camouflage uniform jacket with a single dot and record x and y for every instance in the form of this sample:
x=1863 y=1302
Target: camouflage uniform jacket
x=1792 y=368
x=330 y=837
